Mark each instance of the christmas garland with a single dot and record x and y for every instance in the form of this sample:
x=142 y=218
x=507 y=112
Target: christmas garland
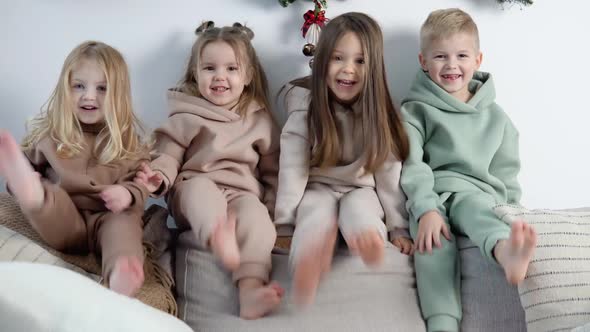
x=314 y=20
x=522 y=2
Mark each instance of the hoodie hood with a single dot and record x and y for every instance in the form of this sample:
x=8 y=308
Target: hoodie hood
x=424 y=90
x=180 y=102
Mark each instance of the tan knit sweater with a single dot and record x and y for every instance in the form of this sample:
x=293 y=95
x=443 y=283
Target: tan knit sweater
x=82 y=177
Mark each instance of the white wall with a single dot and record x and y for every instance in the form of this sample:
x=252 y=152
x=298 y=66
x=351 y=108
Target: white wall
x=537 y=55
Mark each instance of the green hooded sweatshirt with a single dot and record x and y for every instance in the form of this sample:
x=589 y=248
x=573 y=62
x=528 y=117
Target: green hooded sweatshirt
x=457 y=146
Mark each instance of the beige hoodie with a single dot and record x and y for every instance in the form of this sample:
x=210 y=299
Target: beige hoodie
x=201 y=139
x=295 y=171
x=83 y=177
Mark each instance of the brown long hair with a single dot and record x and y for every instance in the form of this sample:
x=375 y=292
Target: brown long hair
x=122 y=137
x=238 y=37
x=383 y=131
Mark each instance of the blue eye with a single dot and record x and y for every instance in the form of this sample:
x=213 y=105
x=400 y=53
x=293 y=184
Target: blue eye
x=208 y=68
x=78 y=86
x=337 y=58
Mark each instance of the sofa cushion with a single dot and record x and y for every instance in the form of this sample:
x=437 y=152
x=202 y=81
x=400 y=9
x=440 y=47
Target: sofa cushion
x=556 y=291
x=489 y=302
x=350 y=298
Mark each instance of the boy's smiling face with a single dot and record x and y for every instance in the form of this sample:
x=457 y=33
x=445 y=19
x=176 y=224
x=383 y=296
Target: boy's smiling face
x=451 y=62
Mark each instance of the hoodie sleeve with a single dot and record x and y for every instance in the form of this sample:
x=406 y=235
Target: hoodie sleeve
x=417 y=179
x=139 y=193
x=392 y=198
x=293 y=165
x=172 y=140
x=506 y=163
x=268 y=165
x=36 y=159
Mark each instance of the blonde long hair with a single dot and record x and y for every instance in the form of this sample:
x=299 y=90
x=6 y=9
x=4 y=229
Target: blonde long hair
x=238 y=37
x=122 y=135
x=383 y=131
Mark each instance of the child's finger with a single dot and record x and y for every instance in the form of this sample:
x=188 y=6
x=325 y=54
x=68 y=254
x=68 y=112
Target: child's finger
x=403 y=247
x=408 y=248
x=445 y=231
x=422 y=244
x=436 y=238
x=417 y=243
x=429 y=242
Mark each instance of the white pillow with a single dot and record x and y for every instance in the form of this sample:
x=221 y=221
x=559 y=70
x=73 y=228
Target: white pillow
x=556 y=291
x=39 y=297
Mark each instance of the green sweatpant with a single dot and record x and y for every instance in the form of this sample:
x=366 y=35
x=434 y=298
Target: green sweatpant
x=438 y=275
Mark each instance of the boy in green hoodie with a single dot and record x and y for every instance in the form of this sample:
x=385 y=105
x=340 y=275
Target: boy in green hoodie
x=463 y=160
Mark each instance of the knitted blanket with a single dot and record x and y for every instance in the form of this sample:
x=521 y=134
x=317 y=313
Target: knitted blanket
x=19 y=242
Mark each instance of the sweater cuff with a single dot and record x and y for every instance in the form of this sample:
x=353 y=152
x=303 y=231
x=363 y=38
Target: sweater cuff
x=421 y=207
x=399 y=232
x=138 y=193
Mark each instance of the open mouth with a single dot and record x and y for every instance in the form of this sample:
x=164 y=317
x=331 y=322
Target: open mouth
x=89 y=108
x=219 y=89
x=346 y=83
x=451 y=77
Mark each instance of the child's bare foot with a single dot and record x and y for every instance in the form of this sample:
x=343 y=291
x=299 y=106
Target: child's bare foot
x=127 y=275
x=314 y=260
x=16 y=169
x=370 y=246
x=224 y=243
x=515 y=253
x=258 y=300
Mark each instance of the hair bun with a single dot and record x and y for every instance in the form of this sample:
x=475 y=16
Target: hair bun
x=244 y=29
x=206 y=25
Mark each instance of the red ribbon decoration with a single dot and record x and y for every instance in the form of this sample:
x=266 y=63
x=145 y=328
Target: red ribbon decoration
x=311 y=18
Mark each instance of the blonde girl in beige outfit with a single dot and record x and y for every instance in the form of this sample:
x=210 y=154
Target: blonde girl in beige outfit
x=217 y=161
x=341 y=154
x=86 y=149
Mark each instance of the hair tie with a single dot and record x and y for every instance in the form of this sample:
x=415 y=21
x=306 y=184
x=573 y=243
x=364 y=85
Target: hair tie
x=206 y=25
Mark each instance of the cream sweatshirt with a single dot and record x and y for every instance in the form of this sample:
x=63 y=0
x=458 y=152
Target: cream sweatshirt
x=295 y=171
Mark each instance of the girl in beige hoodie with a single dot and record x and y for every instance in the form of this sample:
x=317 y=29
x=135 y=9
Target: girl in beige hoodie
x=217 y=161
x=86 y=149
x=341 y=154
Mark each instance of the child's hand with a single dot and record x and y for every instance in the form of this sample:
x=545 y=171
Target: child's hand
x=405 y=245
x=148 y=178
x=116 y=198
x=430 y=226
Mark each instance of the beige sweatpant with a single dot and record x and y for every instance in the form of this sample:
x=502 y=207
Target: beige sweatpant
x=198 y=203
x=65 y=228
x=354 y=209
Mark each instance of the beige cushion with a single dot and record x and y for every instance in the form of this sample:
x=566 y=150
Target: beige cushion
x=16 y=248
x=556 y=291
